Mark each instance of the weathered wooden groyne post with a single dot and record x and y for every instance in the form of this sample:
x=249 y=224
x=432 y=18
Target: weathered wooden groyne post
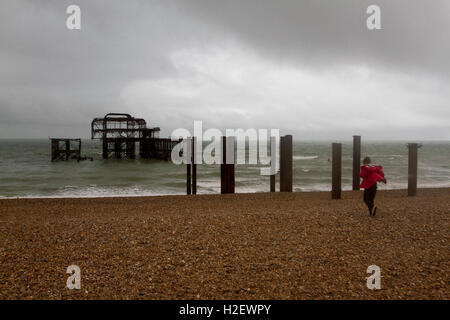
x=336 y=170
x=356 y=161
x=273 y=159
x=272 y=182
x=194 y=165
x=227 y=183
x=286 y=163
x=188 y=157
x=412 y=168
x=191 y=165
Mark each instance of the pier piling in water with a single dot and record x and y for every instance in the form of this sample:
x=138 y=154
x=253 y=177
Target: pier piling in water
x=336 y=171
x=356 y=161
x=286 y=163
x=65 y=149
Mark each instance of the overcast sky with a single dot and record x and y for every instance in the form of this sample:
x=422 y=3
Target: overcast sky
x=309 y=68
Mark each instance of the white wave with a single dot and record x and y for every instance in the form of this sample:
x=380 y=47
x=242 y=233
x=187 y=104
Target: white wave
x=79 y=196
x=304 y=157
x=436 y=169
x=216 y=190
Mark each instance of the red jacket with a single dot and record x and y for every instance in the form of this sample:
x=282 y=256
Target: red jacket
x=371 y=175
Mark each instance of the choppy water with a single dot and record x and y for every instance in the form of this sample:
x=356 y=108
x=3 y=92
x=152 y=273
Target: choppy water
x=26 y=170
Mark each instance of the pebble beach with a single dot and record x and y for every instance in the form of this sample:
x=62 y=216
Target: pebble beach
x=299 y=245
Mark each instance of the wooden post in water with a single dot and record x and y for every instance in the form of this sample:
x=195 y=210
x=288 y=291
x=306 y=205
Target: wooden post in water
x=412 y=168
x=227 y=184
x=67 y=149
x=356 y=161
x=118 y=148
x=273 y=159
x=336 y=170
x=286 y=163
x=105 y=148
x=188 y=158
x=194 y=165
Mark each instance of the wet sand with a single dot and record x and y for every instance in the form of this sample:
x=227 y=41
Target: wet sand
x=241 y=246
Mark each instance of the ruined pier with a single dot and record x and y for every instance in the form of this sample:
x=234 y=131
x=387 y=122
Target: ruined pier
x=120 y=132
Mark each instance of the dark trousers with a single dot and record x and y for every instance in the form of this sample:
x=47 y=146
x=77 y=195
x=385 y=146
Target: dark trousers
x=369 y=196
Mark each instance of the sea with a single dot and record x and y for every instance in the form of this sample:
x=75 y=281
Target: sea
x=27 y=172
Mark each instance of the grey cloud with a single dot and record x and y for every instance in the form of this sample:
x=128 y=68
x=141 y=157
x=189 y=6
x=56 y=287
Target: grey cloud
x=414 y=33
x=54 y=81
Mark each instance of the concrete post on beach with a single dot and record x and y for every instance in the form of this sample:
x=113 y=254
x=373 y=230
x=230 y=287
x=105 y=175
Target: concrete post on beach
x=356 y=161
x=286 y=163
x=227 y=167
x=336 y=170
x=412 y=168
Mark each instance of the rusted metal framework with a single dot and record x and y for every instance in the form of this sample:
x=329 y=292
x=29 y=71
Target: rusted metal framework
x=119 y=133
x=118 y=126
x=65 y=149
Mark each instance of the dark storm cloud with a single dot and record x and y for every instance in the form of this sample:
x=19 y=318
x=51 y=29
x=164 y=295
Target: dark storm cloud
x=250 y=63
x=50 y=74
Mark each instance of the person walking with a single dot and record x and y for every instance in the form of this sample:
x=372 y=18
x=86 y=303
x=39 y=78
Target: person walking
x=371 y=174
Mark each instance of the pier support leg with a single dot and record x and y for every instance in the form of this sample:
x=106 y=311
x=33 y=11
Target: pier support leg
x=412 y=168
x=227 y=183
x=273 y=159
x=286 y=163
x=55 y=149
x=105 y=149
x=336 y=170
x=223 y=172
x=67 y=149
x=188 y=150
x=356 y=161
x=272 y=183
x=194 y=165
x=131 y=149
x=117 y=148
x=79 y=150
